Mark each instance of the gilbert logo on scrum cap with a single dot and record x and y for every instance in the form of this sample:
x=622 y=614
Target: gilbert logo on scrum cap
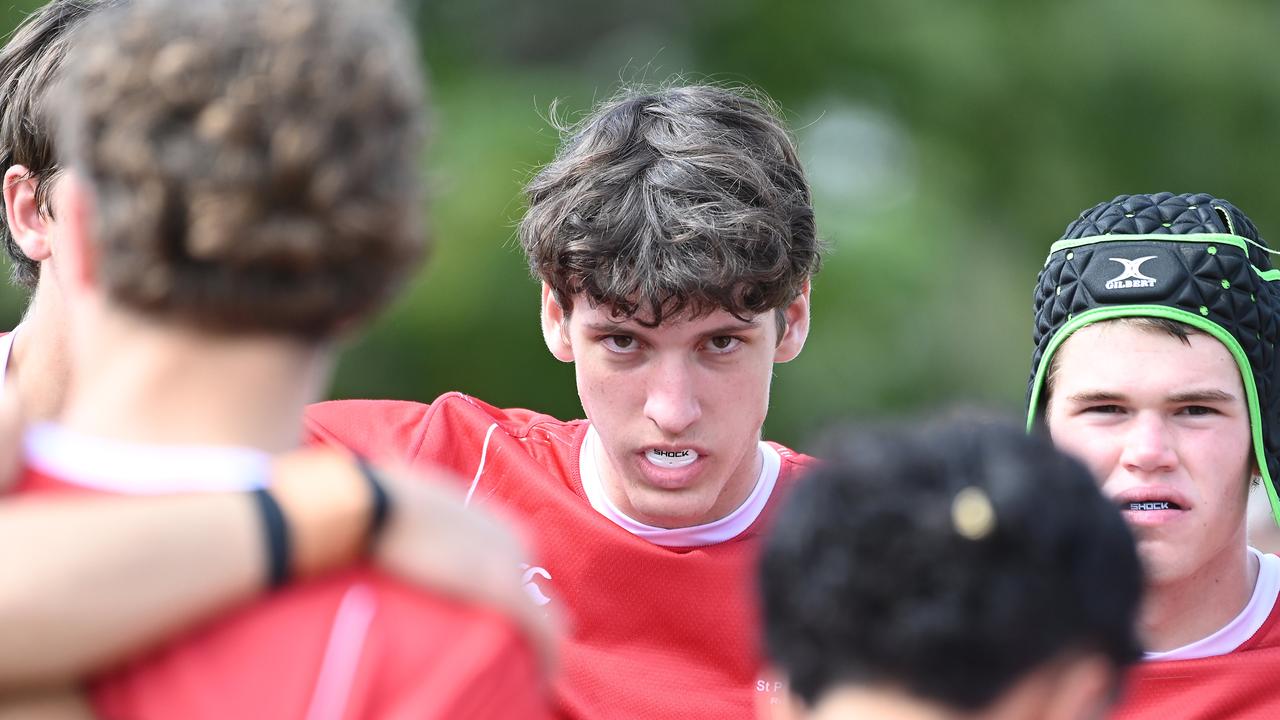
x=1129 y=272
x=1132 y=275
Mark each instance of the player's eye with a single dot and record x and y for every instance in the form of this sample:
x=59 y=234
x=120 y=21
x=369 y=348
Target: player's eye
x=1104 y=409
x=1197 y=410
x=620 y=343
x=723 y=344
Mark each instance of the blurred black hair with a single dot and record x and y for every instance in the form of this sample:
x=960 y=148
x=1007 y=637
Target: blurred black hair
x=866 y=579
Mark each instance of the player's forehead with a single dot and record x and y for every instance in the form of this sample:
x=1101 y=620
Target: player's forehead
x=1131 y=356
x=698 y=321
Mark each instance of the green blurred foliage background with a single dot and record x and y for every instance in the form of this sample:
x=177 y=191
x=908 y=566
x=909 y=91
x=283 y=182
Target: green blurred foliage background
x=949 y=143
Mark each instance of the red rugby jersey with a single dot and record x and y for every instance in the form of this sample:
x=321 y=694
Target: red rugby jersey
x=352 y=645
x=1243 y=684
x=662 y=626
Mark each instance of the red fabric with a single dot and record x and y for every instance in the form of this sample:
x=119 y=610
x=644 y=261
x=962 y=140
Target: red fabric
x=1241 y=685
x=656 y=632
x=387 y=650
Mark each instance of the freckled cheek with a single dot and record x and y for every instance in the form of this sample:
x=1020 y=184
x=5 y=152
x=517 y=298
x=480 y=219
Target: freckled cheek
x=594 y=387
x=616 y=393
x=1209 y=464
x=743 y=397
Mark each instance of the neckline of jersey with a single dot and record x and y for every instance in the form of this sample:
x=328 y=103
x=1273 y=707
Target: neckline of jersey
x=716 y=531
x=1243 y=626
x=141 y=468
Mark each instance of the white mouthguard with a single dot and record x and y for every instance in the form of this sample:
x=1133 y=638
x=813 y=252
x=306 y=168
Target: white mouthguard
x=671 y=458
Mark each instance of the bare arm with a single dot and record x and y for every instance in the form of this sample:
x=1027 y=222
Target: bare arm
x=86 y=582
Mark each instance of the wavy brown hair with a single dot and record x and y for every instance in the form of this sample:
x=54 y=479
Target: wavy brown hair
x=677 y=201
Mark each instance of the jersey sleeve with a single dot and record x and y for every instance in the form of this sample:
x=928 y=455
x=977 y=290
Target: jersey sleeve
x=392 y=433
x=381 y=430
x=455 y=432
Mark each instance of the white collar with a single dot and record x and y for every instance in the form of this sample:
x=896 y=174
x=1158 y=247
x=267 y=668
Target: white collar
x=717 y=531
x=1242 y=626
x=143 y=469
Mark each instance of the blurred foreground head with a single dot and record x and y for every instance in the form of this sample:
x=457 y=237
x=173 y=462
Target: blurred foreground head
x=252 y=164
x=949 y=568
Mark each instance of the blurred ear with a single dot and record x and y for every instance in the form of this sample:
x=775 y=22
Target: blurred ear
x=555 y=326
x=797 y=330
x=77 y=251
x=28 y=226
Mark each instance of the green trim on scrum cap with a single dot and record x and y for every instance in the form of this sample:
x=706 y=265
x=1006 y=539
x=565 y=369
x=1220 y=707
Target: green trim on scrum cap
x=1203 y=324
x=1199 y=238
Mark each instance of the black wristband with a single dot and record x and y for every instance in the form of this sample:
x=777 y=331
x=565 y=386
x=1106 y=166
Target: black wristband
x=276 y=533
x=381 y=505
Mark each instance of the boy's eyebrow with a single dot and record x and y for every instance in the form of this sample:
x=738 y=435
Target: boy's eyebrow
x=1192 y=396
x=1189 y=396
x=609 y=327
x=1091 y=396
x=733 y=327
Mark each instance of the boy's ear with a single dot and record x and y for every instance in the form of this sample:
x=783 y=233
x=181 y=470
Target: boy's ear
x=797 y=329
x=28 y=226
x=555 y=326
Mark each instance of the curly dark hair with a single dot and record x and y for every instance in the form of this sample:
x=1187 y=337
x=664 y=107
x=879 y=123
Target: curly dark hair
x=30 y=64
x=870 y=578
x=681 y=200
x=254 y=162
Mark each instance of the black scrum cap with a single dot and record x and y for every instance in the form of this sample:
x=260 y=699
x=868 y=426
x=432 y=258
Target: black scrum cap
x=1190 y=258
